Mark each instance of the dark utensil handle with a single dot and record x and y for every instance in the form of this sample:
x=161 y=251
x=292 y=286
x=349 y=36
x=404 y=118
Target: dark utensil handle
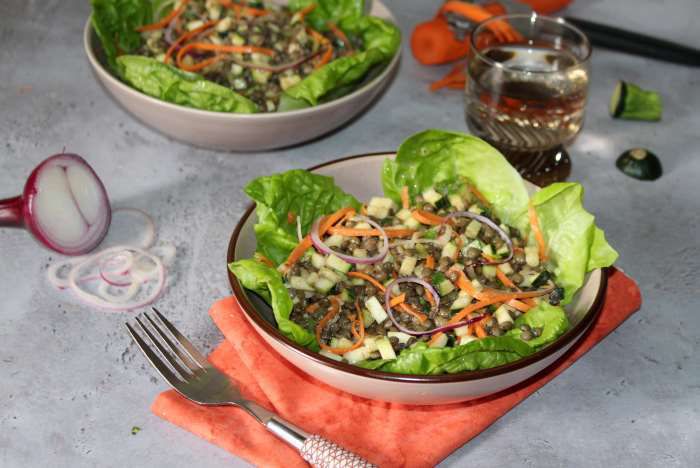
x=630 y=42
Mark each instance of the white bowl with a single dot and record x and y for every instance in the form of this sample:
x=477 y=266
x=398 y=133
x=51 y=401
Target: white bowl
x=240 y=132
x=360 y=176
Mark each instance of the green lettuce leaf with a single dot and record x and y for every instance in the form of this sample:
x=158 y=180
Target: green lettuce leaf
x=381 y=40
x=306 y=195
x=186 y=89
x=329 y=10
x=115 y=22
x=267 y=282
x=480 y=354
x=574 y=244
x=552 y=320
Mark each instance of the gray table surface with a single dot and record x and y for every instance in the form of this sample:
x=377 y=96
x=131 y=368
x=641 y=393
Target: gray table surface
x=72 y=385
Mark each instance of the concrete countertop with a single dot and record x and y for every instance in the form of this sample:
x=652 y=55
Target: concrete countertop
x=72 y=385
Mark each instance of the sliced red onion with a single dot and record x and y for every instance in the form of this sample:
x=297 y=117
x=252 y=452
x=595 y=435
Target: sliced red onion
x=58 y=272
x=501 y=233
x=324 y=249
x=387 y=301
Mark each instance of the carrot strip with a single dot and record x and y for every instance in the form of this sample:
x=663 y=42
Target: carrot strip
x=435 y=338
x=429 y=297
x=535 y=225
x=411 y=311
x=459 y=243
x=176 y=12
x=480 y=332
x=425 y=217
x=311 y=308
x=397 y=300
x=366 y=277
x=455 y=75
x=405 y=200
x=328 y=54
x=263 y=259
x=473 y=308
x=297 y=253
x=240 y=9
x=215 y=48
x=521 y=306
x=479 y=196
x=339 y=34
x=291 y=217
x=430 y=262
x=504 y=279
x=353 y=232
x=187 y=36
x=306 y=10
x=360 y=335
x=334 y=218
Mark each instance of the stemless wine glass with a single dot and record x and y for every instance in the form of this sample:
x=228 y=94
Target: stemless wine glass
x=526 y=91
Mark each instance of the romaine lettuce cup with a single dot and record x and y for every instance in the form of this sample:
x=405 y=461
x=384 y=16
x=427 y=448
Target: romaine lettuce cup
x=452 y=375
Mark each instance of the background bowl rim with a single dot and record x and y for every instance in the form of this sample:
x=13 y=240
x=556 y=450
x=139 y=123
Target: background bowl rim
x=568 y=338
x=89 y=46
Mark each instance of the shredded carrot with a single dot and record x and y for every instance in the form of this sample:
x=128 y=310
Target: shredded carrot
x=473 y=308
x=521 y=306
x=356 y=322
x=425 y=217
x=353 y=232
x=535 y=225
x=479 y=196
x=206 y=46
x=311 y=308
x=330 y=220
x=406 y=307
x=323 y=42
x=175 y=13
x=339 y=34
x=264 y=259
x=435 y=338
x=405 y=200
x=504 y=279
x=306 y=10
x=477 y=14
x=347 y=216
x=291 y=217
x=464 y=284
x=455 y=76
x=363 y=210
x=480 y=332
x=429 y=297
x=430 y=262
x=400 y=299
x=186 y=37
x=240 y=9
x=459 y=243
x=366 y=277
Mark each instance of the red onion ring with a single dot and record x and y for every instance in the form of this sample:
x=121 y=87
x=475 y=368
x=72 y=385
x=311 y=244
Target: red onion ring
x=387 y=301
x=324 y=249
x=501 y=233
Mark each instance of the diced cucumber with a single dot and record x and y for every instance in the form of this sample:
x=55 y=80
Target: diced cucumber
x=464 y=339
x=324 y=285
x=505 y=228
x=338 y=264
x=367 y=317
x=457 y=202
x=506 y=268
x=477 y=285
x=289 y=81
x=445 y=287
x=475 y=209
x=376 y=309
x=528 y=278
x=412 y=223
x=473 y=229
x=404 y=214
x=297 y=282
x=462 y=301
x=330 y=274
x=312 y=277
x=461 y=331
x=318 y=260
x=334 y=241
x=345 y=296
x=489 y=271
x=532 y=256
x=439 y=342
x=357 y=355
x=379 y=207
x=328 y=354
x=488 y=250
x=431 y=196
x=360 y=253
x=357 y=281
x=502 y=250
x=261 y=76
x=449 y=250
x=237 y=40
x=385 y=349
x=407 y=266
x=503 y=316
x=363 y=225
x=341 y=342
x=378 y=212
x=194 y=24
x=401 y=336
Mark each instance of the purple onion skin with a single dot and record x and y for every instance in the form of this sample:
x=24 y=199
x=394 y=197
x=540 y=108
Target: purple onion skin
x=19 y=211
x=501 y=233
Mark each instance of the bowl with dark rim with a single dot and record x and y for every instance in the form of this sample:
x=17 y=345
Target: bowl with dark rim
x=360 y=176
x=241 y=132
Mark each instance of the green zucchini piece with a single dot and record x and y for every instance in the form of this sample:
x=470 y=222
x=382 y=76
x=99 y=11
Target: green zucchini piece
x=631 y=102
x=640 y=163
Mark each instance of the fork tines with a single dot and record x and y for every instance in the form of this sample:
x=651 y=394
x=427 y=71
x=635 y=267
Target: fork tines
x=173 y=356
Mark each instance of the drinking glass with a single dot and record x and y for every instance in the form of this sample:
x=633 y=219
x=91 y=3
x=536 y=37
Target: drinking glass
x=526 y=90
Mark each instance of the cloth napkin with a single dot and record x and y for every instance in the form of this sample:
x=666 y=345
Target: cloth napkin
x=387 y=434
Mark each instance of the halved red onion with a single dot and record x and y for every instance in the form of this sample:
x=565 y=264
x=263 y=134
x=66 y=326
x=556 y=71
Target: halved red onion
x=501 y=233
x=324 y=249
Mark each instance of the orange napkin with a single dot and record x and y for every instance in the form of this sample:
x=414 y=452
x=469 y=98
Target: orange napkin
x=387 y=434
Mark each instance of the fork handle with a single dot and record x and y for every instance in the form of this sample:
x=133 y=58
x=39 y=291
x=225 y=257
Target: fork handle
x=319 y=452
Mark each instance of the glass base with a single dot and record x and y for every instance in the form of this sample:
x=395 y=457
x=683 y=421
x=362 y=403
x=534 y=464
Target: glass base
x=541 y=167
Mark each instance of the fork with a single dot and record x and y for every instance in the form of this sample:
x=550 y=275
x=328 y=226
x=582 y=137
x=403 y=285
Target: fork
x=191 y=375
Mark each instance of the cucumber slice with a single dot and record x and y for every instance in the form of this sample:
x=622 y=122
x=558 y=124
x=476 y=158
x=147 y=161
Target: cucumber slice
x=462 y=301
x=464 y=339
x=489 y=271
x=335 y=240
x=440 y=342
x=330 y=274
x=357 y=355
x=431 y=196
x=401 y=336
x=407 y=266
x=385 y=349
x=461 y=331
x=318 y=260
x=640 y=163
x=631 y=102
x=328 y=354
x=473 y=228
x=323 y=285
x=449 y=250
x=297 y=282
x=445 y=287
x=371 y=343
x=340 y=343
x=503 y=317
x=412 y=223
x=532 y=256
x=376 y=309
x=457 y=202
x=404 y=214
x=506 y=268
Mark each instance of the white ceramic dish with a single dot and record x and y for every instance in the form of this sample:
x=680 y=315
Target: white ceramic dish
x=360 y=176
x=240 y=132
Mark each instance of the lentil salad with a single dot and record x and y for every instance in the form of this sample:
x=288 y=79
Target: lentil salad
x=427 y=279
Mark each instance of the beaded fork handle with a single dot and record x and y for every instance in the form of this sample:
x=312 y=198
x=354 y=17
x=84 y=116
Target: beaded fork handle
x=323 y=453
